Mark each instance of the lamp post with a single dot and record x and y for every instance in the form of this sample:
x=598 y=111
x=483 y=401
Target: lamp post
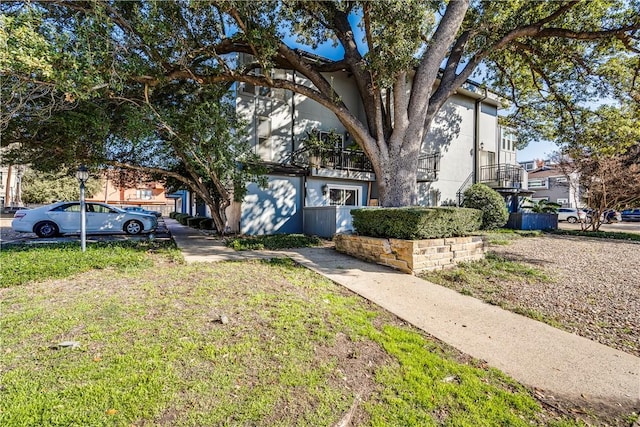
x=83 y=175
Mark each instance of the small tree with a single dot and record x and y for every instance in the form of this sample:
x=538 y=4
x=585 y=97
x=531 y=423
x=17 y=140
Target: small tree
x=608 y=182
x=541 y=206
x=492 y=205
x=47 y=187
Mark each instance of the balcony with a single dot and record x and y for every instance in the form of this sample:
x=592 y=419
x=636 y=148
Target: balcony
x=428 y=167
x=356 y=161
x=337 y=158
x=501 y=176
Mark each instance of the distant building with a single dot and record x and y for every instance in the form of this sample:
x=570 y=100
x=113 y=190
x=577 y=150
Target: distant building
x=11 y=185
x=148 y=194
x=551 y=183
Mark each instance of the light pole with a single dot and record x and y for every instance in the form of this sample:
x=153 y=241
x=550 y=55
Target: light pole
x=83 y=175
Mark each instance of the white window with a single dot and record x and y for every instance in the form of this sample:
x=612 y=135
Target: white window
x=263 y=131
x=144 y=194
x=563 y=202
x=343 y=195
x=538 y=183
x=325 y=137
x=561 y=179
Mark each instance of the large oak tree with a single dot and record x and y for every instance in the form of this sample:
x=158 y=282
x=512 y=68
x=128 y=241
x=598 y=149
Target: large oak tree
x=406 y=57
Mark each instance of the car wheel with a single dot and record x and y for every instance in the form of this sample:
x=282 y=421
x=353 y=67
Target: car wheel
x=46 y=229
x=572 y=220
x=133 y=227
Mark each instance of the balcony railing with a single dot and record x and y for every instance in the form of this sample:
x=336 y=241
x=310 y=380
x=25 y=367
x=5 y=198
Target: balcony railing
x=501 y=176
x=356 y=160
x=337 y=158
x=428 y=167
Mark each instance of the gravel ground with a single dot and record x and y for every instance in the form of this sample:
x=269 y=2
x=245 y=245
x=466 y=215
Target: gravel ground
x=596 y=291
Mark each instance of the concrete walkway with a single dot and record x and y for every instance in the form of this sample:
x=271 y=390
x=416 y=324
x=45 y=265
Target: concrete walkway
x=554 y=362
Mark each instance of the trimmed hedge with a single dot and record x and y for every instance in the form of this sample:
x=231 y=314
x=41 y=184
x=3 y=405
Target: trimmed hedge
x=173 y=214
x=182 y=218
x=415 y=223
x=207 y=224
x=195 y=221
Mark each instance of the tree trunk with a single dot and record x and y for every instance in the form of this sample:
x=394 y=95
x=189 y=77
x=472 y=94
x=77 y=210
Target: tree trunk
x=397 y=179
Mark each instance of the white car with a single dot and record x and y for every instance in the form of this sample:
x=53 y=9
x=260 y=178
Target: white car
x=64 y=217
x=571 y=215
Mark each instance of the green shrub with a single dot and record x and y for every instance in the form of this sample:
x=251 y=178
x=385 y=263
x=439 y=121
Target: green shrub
x=172 y=215
x=274 y=241
x=492 y=205
x=207 y=224
x=416 y=222
x=195 y=221
x=182 y=218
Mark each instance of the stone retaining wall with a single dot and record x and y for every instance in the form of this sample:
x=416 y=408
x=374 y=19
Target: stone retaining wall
x=412 y=256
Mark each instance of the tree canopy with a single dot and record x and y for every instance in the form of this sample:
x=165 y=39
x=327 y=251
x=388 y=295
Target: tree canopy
x=406 y=57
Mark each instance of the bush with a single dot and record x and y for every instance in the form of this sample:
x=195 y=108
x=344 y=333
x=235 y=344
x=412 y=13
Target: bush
x=182 y=218
x=172 y=215
x=492 y=205
x=274 y=241
x=416 y=222
x=207 y=224
x=195 y=221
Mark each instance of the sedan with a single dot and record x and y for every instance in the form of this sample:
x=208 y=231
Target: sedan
x=571 y=215
x=64 y=217
x=630 y=215
x=140 y=209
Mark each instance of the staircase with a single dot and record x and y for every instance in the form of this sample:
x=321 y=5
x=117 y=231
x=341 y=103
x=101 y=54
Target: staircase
x=460 y=193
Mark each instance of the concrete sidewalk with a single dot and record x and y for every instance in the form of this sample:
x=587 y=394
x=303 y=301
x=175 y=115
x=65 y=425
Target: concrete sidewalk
x=555 y=362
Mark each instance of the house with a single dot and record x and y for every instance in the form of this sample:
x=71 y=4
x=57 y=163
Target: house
x=148 y=194
x=552 y=183
x=11 y=186
x=314 y=192
x=530 y=165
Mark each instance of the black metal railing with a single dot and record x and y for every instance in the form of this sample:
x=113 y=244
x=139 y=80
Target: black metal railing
x=336 y=158
x=501 y=175
x=428 y=167
x=356 y=160
x=460 y=193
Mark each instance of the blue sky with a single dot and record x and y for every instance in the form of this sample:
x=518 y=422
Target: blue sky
x=536 y=150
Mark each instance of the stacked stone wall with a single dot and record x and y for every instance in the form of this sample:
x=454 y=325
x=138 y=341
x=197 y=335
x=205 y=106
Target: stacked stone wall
x=412 y=256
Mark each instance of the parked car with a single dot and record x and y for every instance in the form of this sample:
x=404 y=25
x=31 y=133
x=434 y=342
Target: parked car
x=10 y=210
x=64 y=217
x=140 y=209
x=571 y=215
x=610 y=215
x=630 y=215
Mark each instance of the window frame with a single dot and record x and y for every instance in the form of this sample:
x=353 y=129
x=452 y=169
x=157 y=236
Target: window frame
x=343 y=187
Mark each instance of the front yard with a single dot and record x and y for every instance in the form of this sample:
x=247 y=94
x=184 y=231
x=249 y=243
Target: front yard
x=252 y=343
x=588 y=286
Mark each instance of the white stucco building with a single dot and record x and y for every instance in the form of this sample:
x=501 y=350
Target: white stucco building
x=465 y=145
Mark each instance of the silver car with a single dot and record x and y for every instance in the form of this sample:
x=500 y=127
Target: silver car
x=571 y=215
x=64 y=218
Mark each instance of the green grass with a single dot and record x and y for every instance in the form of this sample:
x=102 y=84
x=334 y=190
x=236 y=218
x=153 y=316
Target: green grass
x=296 y=350
x=505 y=236
x=635 y=237
x=274 y=241
x=20 y=264
x=484 y=280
